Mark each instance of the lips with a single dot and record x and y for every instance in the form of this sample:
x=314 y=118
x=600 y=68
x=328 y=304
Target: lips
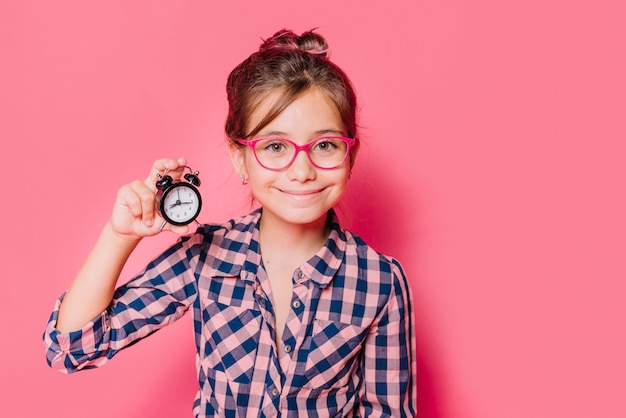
x=302 y=194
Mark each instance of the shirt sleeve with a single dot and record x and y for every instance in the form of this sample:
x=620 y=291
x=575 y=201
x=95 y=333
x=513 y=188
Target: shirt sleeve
x=389 y=364
x=158 y=296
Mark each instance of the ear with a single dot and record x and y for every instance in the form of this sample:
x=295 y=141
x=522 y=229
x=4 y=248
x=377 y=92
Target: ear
x=353 y=153
x=238 y=158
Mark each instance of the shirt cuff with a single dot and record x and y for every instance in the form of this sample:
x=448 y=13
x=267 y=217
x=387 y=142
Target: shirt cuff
x=67 y=351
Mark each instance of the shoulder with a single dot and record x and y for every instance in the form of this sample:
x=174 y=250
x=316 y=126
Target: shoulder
x=220 y=249
x=236 y=230
x=368 y=257
x=373 y=266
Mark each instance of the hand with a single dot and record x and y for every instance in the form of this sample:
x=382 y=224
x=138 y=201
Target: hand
x=134 y=213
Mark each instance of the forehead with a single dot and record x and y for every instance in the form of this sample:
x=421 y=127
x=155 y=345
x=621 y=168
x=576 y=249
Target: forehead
x=310 y=112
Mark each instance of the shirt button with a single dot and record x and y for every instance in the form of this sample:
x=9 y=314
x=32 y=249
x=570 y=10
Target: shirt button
x=296 y=304
x=300 y=274
x=287 y=348
x=274 y=392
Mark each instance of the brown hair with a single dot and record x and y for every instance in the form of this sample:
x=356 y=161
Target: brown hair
x=288 y=64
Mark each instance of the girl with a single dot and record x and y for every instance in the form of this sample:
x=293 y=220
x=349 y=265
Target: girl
x=293 y=315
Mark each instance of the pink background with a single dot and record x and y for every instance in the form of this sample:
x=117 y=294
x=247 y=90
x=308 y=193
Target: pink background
x=492 y=167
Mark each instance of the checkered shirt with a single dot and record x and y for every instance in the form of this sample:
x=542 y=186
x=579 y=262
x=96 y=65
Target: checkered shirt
x=347 y=349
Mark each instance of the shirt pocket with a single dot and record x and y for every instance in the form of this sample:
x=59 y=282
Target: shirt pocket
x=334 y=353
x=231 y=340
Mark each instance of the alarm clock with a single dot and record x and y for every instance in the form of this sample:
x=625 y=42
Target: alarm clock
x=179 y=202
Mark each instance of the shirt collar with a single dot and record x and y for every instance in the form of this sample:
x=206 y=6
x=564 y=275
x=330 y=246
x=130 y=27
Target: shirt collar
x=322 y=267
x=239 y=253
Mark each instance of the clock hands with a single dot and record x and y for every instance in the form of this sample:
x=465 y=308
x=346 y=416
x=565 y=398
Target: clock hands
x=178 y=203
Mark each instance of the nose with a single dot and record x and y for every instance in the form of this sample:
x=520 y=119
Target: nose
x=301 y=169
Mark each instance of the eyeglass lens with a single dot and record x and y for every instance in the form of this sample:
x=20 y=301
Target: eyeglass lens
x=325 y=152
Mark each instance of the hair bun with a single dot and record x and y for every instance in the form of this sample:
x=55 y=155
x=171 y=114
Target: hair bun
x=309 y=41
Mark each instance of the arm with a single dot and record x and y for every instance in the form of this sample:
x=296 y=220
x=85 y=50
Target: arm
x=93 y=321
x=93 y=288
x=389 y=364
x=158 y=296
x=134 y=217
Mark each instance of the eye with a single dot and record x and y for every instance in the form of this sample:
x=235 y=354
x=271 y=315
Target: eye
x=326 y=144
x=273 y=146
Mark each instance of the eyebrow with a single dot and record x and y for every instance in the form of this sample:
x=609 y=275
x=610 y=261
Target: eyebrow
x=318 y=133
x=330 y=131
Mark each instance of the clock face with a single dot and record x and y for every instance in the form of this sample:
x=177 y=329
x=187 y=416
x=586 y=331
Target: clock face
x=180 y=204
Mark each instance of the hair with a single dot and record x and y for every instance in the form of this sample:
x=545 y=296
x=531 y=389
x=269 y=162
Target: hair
x=289 y=65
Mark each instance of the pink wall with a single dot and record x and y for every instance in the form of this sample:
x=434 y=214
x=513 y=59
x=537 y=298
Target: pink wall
x=492 y=167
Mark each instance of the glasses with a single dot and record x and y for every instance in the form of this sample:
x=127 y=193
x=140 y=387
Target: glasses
x=276 y=154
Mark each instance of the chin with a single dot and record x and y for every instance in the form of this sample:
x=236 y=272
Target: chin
x=303 y=217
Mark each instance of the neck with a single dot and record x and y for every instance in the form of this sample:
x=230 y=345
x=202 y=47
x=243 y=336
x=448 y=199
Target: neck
x=292 y=243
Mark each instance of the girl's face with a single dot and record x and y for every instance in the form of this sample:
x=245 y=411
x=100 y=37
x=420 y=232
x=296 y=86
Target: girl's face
x=301 y=193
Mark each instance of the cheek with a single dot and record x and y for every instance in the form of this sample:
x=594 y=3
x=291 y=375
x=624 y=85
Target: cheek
x=343 y=173
x=340 y=180
x=255 y=171
x=259 y=178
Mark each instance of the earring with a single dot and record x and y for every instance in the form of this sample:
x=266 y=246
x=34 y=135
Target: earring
x=244 y=180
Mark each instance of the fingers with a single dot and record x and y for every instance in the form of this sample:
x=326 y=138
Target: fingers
x=139 y=199
x=173 y=167
x=135 y=213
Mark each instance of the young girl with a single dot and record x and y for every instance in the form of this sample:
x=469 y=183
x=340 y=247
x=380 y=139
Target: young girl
x=293 y=315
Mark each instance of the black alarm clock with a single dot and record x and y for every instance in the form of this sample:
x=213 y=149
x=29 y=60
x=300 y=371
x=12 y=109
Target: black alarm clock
x=179 y=202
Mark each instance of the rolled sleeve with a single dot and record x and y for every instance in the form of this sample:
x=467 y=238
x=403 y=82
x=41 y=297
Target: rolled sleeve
x=158 y=296
x=72 y=351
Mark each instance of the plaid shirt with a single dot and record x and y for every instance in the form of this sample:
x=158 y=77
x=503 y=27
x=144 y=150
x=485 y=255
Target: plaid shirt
x=347 y=349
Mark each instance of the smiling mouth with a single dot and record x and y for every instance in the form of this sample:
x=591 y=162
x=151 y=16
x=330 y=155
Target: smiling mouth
x=301 y=194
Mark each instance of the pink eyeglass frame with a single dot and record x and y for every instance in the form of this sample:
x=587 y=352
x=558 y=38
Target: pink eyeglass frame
x=252 y=144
